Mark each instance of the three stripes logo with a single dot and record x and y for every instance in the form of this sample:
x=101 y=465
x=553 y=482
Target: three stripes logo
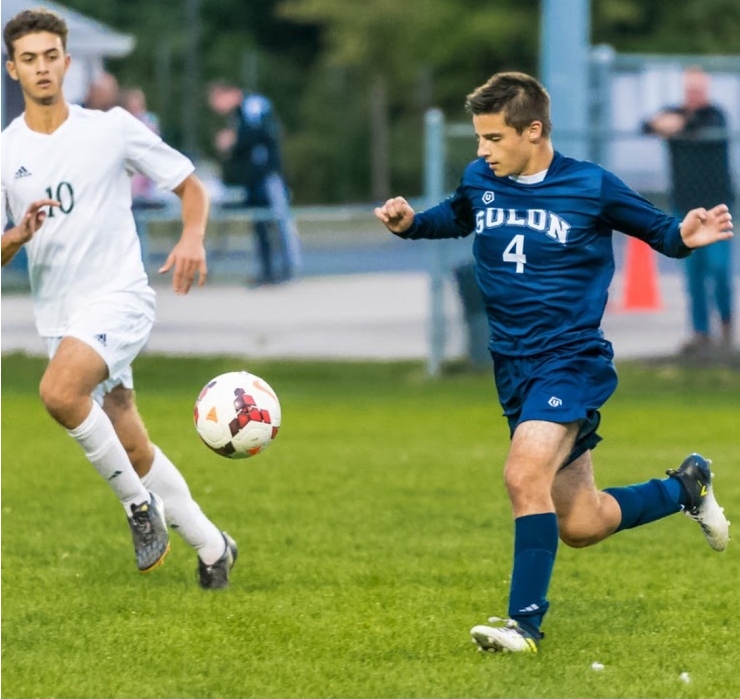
x=21 y=172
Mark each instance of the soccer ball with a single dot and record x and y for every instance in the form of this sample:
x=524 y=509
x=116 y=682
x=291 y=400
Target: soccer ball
x=237 y=414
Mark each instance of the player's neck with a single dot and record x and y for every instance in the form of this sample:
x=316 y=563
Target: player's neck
x=45 y=118
x=541 y=159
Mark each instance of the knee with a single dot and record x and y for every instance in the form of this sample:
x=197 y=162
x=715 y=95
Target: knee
x=579 y=536
x=577 y=540
x=58 y=399
x=526 y=492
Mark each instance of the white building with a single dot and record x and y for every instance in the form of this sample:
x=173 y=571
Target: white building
x=89 y=43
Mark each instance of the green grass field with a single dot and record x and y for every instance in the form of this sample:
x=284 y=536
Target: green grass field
x=373 y=534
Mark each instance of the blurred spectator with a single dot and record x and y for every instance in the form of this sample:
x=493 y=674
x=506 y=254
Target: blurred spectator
x=251 y=158
x=144 y=195
x=143 y=191
x=697 y=138
x=103 y=93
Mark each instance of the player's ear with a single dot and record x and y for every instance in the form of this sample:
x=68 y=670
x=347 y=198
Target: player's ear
x=10 y=67
x=534 y=131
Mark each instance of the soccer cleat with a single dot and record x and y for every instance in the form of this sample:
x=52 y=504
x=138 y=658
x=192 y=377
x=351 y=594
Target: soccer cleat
x=149 y=532
x=216 y=576
x=696 y=477
x=505 y=635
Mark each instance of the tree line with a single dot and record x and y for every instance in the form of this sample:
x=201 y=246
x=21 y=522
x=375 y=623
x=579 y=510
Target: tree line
x=351 y=80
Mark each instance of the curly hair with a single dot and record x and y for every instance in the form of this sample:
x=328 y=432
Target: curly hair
x=31 y=22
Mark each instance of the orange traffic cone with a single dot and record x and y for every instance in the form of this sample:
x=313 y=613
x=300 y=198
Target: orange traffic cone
x=641 y=292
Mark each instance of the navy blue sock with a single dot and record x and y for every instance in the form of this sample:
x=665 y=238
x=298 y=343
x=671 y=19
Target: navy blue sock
x=646 y=502
x=535 y=546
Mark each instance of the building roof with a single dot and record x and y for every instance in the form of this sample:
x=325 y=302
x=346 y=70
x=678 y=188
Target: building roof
x=86 y=35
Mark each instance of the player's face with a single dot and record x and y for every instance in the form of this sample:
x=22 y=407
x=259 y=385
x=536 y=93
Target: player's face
x=40 y=64
x=506 y=151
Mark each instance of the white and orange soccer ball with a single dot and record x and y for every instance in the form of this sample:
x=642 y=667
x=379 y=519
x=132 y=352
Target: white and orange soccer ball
x=237 y=414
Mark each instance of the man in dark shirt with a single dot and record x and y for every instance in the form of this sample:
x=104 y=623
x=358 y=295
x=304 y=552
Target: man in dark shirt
x=250 y=147
x=696 y=134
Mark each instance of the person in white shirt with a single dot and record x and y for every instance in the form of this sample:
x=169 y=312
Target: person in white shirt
x=66 y=185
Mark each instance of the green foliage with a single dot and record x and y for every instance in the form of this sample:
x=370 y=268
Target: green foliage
x=373 y=534
x=662 y=26
x=430 y=52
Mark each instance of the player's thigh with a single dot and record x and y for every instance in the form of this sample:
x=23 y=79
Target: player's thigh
x=117 y=327
x=538 y=449
x=74 y=370
x=585 y=514
x=574 y=487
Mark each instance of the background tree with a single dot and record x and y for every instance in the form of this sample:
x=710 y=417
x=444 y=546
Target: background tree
x=329 y=65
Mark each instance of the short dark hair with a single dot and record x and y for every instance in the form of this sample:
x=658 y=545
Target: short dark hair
x=520 y=98
x=31 y=22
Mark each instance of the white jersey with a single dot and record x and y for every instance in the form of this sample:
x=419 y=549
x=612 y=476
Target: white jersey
x=88 y=246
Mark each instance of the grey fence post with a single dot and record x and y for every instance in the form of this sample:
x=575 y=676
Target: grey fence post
x=434 y=160
x=600 y=112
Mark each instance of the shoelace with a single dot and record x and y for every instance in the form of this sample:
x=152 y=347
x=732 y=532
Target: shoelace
x=504 y=623
x=143 y=523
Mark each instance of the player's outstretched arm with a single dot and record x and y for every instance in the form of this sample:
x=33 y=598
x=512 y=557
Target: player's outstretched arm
x=188 y=257
x=703 y=227
x=14 y=238
x=396 y=214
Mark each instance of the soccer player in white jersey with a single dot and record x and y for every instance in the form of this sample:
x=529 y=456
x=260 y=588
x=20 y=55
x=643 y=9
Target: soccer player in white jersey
x=65 y=184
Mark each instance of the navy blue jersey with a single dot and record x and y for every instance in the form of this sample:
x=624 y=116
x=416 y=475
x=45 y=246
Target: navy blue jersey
x=543 y=252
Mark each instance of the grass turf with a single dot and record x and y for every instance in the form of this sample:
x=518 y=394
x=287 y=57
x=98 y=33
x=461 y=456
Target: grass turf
x=373 y=534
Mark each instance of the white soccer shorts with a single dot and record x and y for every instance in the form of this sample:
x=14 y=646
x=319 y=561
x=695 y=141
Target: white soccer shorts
x=117 y=327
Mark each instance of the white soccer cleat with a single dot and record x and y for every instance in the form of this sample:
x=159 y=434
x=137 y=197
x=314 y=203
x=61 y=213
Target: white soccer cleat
x=696 y=477
x=504 y=635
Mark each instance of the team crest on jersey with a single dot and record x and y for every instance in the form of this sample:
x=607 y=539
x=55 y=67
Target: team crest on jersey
x=488 y=197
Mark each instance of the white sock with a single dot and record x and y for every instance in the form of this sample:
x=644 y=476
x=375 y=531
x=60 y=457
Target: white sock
x=105 y=452
x=183 y=513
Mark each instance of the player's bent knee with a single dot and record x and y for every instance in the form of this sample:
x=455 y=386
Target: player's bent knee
x=57 y=401
x=579 y=537
x=578 y=541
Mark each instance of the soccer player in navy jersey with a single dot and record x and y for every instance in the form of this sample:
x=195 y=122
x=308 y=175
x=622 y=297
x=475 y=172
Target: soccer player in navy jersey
x=543 y=227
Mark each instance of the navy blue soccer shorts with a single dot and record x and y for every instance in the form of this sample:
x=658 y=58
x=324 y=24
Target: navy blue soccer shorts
x=567 y=384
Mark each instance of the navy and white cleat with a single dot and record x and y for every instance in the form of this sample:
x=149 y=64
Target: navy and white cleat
x=696 y=477
x=504 y=635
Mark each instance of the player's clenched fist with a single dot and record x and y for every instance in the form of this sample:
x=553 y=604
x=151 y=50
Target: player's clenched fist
x=396 y=214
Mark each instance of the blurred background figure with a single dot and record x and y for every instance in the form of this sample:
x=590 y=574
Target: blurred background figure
x=103 y=93
x=698 y=143
x=143 y=191
x=144 y=194
x=251 y=159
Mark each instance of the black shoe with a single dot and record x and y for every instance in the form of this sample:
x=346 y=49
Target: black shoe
x=216 y=576
x=696 y=477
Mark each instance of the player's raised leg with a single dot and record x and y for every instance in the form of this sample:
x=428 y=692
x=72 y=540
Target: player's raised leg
x=216 y=550
x=587 y=515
